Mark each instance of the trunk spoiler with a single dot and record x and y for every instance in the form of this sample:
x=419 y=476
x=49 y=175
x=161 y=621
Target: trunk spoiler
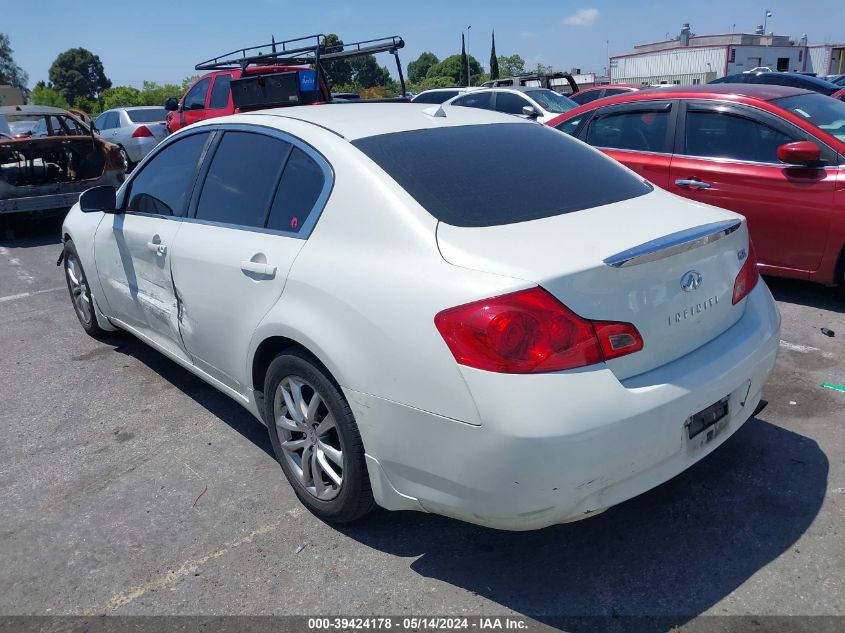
x=674 y=243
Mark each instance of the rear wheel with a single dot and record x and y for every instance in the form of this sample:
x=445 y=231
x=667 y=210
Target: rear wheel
x=128 y=165
x=80 y=292
x=316 y=439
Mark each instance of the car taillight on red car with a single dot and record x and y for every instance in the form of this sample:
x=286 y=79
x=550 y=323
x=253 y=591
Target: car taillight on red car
x=747 y=277
x=531 y=332
x=142 y=132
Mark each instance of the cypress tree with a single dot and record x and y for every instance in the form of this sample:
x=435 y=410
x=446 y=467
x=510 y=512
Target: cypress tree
x=494 y=61
x=464 y=78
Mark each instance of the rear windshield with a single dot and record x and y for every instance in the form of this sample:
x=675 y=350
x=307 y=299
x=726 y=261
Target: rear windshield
x=147 y=115
x=501 y=173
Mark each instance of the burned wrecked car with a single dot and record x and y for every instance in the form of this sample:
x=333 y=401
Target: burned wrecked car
x=48 y=157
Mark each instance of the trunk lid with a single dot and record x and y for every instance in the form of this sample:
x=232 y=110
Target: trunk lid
x=624 y=262
x=159 y=130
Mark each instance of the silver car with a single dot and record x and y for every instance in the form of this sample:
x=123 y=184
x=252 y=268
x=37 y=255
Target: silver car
x=134 y=130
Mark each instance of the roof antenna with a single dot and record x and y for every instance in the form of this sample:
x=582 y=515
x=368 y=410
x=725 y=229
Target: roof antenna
x=438 y=111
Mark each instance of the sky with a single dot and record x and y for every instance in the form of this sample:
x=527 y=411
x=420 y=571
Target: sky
x=162 y=40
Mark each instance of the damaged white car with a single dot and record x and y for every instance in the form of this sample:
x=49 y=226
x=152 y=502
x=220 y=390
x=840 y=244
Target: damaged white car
x=438 y=308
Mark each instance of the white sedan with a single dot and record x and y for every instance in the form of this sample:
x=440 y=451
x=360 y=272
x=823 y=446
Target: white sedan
x=434 y=308
x=532 y=102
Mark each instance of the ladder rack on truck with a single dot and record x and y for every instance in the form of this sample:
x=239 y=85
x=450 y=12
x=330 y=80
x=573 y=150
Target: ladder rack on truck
x=309 y=50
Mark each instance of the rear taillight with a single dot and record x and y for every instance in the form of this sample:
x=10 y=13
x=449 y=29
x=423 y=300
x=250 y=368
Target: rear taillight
x=142 y=132
x=531 y=332
x=747 y=277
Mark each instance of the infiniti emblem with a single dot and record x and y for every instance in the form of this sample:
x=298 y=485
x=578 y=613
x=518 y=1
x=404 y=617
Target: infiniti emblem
x=691 y=280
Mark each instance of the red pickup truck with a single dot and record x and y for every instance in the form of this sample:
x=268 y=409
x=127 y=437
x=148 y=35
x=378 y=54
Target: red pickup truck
x=289 y=73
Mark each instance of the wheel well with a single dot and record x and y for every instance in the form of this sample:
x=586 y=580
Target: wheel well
x=272 y=347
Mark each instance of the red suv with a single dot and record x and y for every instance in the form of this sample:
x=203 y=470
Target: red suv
x=772 y=153
x=210 y=96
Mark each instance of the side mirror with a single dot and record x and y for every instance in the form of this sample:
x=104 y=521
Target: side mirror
x=804 y=153
x=171 y=104
x=99 y=199
x=530 y=112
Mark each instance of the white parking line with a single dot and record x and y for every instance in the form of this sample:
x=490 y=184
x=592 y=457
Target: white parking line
x=24 y=295
x=803 y=349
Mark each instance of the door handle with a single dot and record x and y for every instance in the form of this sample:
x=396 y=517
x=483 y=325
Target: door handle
x=692 y=183
x=257 y=268
x=157 y=248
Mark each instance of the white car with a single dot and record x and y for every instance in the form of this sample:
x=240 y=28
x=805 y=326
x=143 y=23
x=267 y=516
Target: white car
x=418 y=332
x=439 y=95
x=539 y=104
x=135 y=130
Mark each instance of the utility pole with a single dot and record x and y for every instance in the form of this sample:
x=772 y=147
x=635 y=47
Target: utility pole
x=469 y=79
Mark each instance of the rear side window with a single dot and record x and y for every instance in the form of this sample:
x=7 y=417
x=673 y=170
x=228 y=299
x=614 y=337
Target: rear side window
x=220 y=92
x=242 y=178
x=298 y=192
x=435 y=97
x=502 y=173
x=638 y=130
x=164 y=185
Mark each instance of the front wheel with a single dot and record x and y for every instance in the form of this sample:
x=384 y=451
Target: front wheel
x=80 y=292
x=315 y=438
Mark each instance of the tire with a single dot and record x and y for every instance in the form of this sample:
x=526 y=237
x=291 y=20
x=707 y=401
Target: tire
x=128 y=165
x=80 y=292
x=324 y=437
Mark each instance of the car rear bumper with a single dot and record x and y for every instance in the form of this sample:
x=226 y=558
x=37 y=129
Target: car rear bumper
x=138 y=148
x=559 y=447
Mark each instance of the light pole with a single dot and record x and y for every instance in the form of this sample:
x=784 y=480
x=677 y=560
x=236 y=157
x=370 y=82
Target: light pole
x=469 y=80
x=766 y=19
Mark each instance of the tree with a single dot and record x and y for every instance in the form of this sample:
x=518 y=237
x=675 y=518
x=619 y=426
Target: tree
x=419 y=67
x=512 y=65
x=338 y=71
x=366 y=72
x=543 y=69
x=78 y=74
x=10 y=72
x=43 y=95
x=494 y=61
x=463 y=79
x=120 y=97
x=455 y=69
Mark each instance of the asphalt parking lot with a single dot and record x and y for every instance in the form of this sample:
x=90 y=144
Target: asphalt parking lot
x=131 y=487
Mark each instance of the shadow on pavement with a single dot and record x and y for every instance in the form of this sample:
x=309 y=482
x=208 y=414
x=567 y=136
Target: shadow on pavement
x=671 y=553
x=26 y=232
x=807 y=293
x=213 y=400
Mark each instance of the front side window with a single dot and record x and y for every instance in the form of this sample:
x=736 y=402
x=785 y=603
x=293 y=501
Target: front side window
x=241 y=180
x=465 y=175
x=510 y=103
x=715 y=134
x=195 y=99
x=164 y=185
x=220 y=92
x=585 y=96
x=637 y=130
x=570 y=126
x=438 y=96
x=474 y=100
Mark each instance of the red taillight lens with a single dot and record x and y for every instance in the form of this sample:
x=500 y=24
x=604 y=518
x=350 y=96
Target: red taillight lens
x=530 y=332
x=747 y=277
x=142 y=132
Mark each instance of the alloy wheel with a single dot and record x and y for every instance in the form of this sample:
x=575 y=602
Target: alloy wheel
x=309 y=437
x=78 y=288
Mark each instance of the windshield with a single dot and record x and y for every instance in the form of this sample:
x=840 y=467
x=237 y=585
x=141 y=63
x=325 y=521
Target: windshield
x=823 y=112
x=501 y=173
x=551 y=101
x=147 y=115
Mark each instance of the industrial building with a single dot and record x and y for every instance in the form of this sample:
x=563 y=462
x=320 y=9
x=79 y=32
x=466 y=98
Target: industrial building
x=698 y=59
